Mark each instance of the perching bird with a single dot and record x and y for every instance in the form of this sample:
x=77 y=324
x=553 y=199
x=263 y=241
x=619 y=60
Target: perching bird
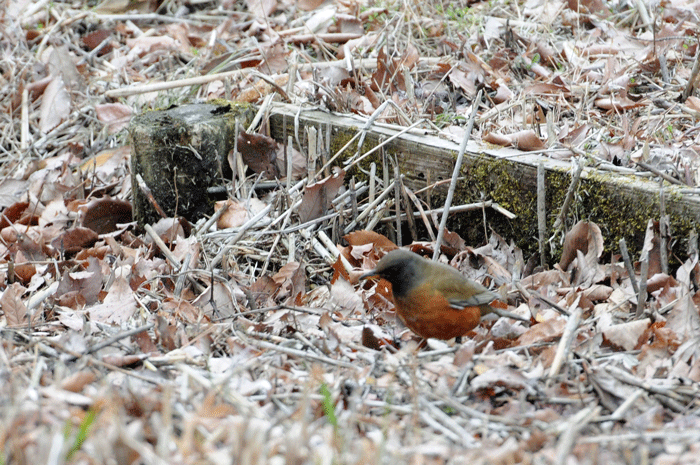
x=433 y=299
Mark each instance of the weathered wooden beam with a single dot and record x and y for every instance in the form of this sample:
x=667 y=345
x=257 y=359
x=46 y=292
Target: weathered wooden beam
x=620 y=201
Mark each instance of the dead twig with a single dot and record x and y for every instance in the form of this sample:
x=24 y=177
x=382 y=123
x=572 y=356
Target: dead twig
x=566 y=340
x=455 y=175
x=575 y=178
x=541 y=212
x=628 y=265
x=296 y=353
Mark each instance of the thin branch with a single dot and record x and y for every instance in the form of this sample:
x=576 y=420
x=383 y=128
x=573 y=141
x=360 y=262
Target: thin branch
x=455 y=175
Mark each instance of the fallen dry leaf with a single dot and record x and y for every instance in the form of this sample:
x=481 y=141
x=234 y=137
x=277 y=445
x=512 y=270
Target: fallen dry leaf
x=585 y=237
x=626 y=335
x=118 y=305
x=318 y=196
x=55 y=105
x=523 y=140
x=259 y=153
x=115 y=116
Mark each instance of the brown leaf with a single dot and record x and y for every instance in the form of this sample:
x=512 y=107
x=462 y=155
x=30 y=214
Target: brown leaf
x=523 y=140
x=652 y=245
x=261 y=8
x=350 y=25
x=61 y=62
x=31 y=243
x=70 y=299
x=376 y=338
x=36 y=89
x=497 y=139
x=588 y=6
x=95 y=38
x=666 y=283
x=358 y=103
x=454 y=241
x=503 y=376
x=123 y=6
x=345 y=300
x=12 y=306
x=55 y=105
x=308 y=5
x=74 y=240
x=210 y=408
x=693 y=103
x=339 y=271
x=219 y=303
x=586 y=237
x=259 y=152
x=388 y=72
x=575 y=135
x=237 y=212
x=598 y=292
x=166 y=334
x=317 y=197
x=526 y=140
x=586 y=271
x=684 y=318
x=687 y=357
x=291 y=280
x=379 y=299
x=17 y=213
x=118 y=306
x=464 y=354
x=11 y=191
x=144 y=342
x=169 y=229
x=78 y=380
x=543 y=332
x=370 y=340
x=55 y=214
x=503 y=94
x=468 y=74
x=362 y=237
x=262 y=290
x=299 y=165
x=382 y=75
x=619 y=103
x=115 y=116
x=546 y=88
x=24 y=269
x=145 y=44
x=182 y=310
x=626 y=335
x=120 y=360
x=275 y=60
x=108 y=164
x=464 y=80
x=104 y=214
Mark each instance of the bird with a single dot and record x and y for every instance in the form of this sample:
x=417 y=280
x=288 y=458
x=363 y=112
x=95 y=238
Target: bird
x=432 y=299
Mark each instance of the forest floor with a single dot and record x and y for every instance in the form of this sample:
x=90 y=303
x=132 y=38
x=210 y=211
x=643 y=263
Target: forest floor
x=248 y=339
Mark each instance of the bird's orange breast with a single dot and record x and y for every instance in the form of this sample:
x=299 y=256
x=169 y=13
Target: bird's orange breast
x=428 y=313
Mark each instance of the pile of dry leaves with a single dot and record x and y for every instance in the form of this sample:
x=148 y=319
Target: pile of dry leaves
x=247 y=338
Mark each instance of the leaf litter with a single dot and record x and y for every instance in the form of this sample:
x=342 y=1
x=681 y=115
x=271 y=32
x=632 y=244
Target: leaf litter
x=247 y=338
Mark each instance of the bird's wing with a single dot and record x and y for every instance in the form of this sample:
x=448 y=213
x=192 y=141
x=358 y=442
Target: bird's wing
x=476 y=300
x=482 y=301
x=462 y=294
